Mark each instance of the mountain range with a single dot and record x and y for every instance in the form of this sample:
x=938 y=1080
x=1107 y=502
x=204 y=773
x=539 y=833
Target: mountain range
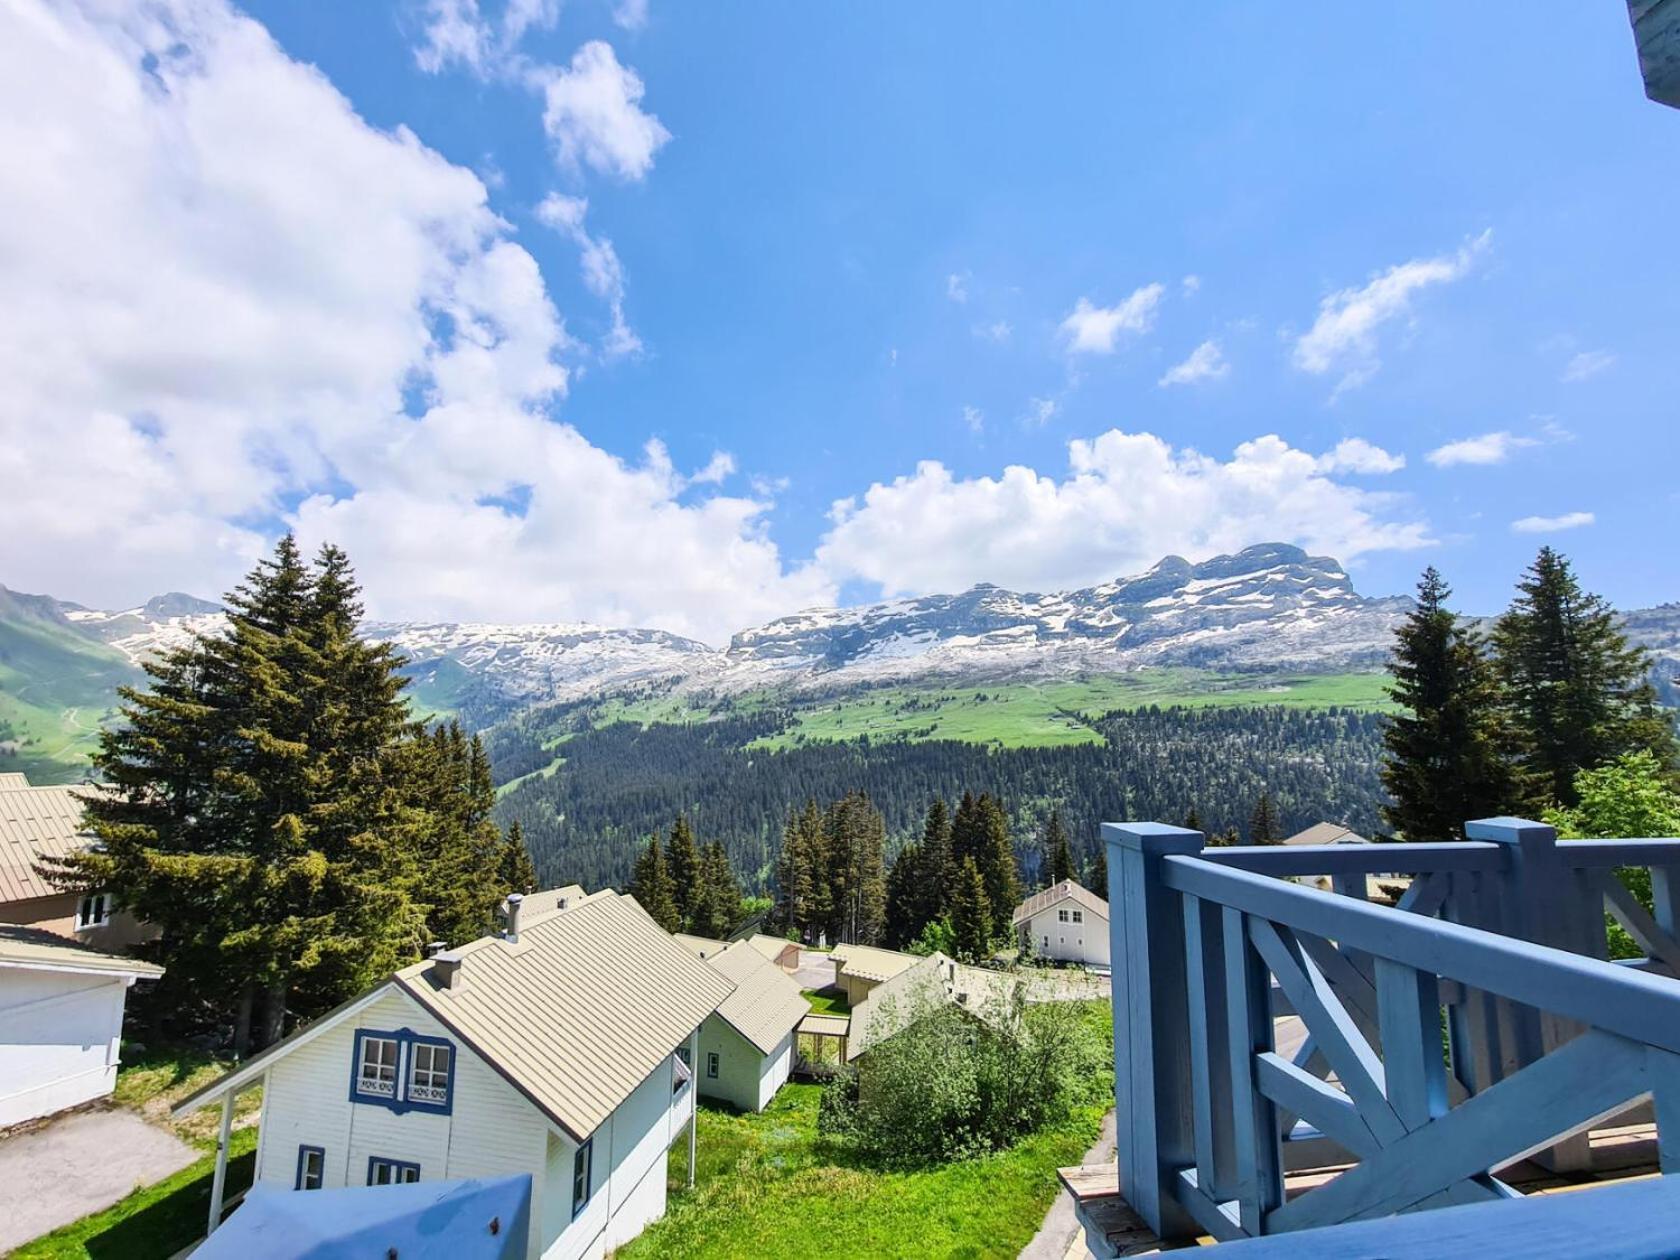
x=1268 y=608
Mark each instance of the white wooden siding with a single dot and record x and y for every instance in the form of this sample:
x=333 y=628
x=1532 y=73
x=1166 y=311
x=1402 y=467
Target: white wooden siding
x=59 y=1033
x=1085 y=942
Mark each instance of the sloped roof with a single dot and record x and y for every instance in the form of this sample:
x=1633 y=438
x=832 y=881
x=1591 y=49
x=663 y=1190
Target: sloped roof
x=36 y=823
x=576 y=1014
x=1327 y=833
x=545 y=900
x=699 y=946
x=1053 y=896
x=892 y=1004
x=772 y=947
x=46 y=951
x=868 y=963
x=12 y=779
x=767 y=1002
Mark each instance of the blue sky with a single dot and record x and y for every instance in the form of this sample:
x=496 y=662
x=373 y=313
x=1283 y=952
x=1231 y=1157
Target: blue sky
x=853 y=247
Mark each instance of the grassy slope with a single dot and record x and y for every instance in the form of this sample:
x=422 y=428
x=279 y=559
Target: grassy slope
x=768 y=1186
x=56 y=687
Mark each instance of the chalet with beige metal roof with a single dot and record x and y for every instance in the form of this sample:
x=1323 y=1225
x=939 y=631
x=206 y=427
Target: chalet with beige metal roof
x=1064 y=923
x=859 y=968
x=559 y=1048
x=747 y=1045
x=38 y=823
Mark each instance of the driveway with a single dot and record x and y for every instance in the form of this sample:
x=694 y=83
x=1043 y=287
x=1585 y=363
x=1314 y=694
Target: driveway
x=80 y=1164
x=816 y=971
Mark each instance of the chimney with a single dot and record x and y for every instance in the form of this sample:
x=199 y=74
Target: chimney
x=447 y=968
x=434 y=948
x=514 y=901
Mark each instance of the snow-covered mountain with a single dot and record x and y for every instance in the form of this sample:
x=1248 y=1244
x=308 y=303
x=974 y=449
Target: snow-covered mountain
x=1268 y=607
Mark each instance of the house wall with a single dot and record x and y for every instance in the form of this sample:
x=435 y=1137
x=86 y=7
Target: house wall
x=57 y=914
x=59 y=1033
x=1085 y=942
x=747 y=1078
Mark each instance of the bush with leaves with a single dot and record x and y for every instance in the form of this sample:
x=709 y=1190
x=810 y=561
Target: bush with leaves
x=959 y=1081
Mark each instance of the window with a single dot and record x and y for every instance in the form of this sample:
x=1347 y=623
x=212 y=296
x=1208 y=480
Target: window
x=94 y=910
x=391 y=1172
x=581 y=1169
x=1046 y=942
x=711 y=1064
x=376 y=1068
x=1079 y=916
x=428 y=1074
x=402 y=1071
x=1061 y=916
x=312 y=1164
x=681 y=1072
x=685 y=1055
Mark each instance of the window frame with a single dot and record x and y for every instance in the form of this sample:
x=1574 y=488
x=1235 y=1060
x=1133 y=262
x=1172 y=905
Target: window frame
x=713 y=1063
x=431 y=1045
x=304 y=1152
x=397 y=1167
x=1079 y=916
x=584 y=1155
x=401 y=1098
x=106 y=904
x=1062 y=916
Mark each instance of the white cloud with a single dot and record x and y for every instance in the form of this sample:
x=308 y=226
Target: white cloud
x=454 y=31
x=956 y=286
x=1588 y=363
x=996 y=332
x=1485 y=448
x=1039 y=412
x=974 y=418
x=1191 y=285
x=1552 y=524
x=1356 y=455
x=331 y=329
x=592 y=113
x=632 y=15
x=1126 y=500
x=1343 y=338
x=603 y=275
x=1206 y=363
x=1092 y=329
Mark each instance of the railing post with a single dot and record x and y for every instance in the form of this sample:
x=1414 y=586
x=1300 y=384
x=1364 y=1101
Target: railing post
x=1152 y=1068
x=1546 y=902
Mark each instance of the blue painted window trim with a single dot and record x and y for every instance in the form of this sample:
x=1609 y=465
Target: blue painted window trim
x=397 y=1165
x=303 y=1153
x=586 y=1153
x=399 y=1102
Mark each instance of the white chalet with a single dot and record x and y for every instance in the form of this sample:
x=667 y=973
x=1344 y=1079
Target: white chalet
x=746 y=1047
x=554 y=1049
x=1065 y=923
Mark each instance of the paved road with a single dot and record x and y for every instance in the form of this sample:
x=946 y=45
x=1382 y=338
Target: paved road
x=1060 y=1237
x=815 y=970
x=78 y=1165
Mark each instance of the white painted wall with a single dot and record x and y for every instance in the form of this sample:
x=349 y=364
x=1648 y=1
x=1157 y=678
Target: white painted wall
x=59 y=1033
x=747 y=1078
x=492 y=1130
x=1085 y=942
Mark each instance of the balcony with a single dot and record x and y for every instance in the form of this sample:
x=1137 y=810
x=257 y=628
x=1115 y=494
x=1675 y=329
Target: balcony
x=1290 y=1059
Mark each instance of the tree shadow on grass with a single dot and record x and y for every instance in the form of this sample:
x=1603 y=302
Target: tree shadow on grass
x=172 y=1222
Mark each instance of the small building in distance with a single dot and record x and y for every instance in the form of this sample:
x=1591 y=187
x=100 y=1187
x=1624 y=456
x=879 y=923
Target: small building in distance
x=37 y=823
x=1064 y=923
x=555 y=1049
x=61 y=1014
x=746 y=1046
x=1327 y=833
x=859 y=968
x=779 y=950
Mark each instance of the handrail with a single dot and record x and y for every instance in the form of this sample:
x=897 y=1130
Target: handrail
x=1642 y=1007
x=1655 y=851
x=1356 y=859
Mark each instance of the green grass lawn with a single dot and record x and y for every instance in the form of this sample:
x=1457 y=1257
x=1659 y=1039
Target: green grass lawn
x=1022 y=714
x=829 y=1001
x=161 y=1219
x=768 y=1185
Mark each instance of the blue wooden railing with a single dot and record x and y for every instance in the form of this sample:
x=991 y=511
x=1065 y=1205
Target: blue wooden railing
x=1475 y=1022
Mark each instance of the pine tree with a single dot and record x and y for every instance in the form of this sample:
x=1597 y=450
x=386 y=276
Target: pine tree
x=855 y=837
x=651 y=886
x=1448 y=751
x=262 y=809
x=1096 y=874
x=1059 y=857
x=1263 y=825
x=996 y=861
x=1193 y=820
x=682 y=861
x=937 y=866
x=968 y=831
x=906 y=895
x=971 y=913
x=717 y=907
x=514 y=870
x=1577 y=692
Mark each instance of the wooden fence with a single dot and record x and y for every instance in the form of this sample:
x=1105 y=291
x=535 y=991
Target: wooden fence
x=1475 y=1022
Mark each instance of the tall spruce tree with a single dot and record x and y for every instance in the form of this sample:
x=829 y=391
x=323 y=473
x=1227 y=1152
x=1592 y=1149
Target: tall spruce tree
x=261 y=808
x=937 y=866
x=651 y=886
x=971 y=913
x=1263 y=824
x=514 y=869
x=1577 y=692
x=1448 y=752
x=1058 y=856
x=996 y=861
x=1096 y=873
x=717 y=906
x=682 y=861
x=855 y=839
x=906 y=882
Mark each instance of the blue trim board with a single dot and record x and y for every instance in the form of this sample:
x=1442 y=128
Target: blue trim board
x=399 y=1102
x=304 y=1151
